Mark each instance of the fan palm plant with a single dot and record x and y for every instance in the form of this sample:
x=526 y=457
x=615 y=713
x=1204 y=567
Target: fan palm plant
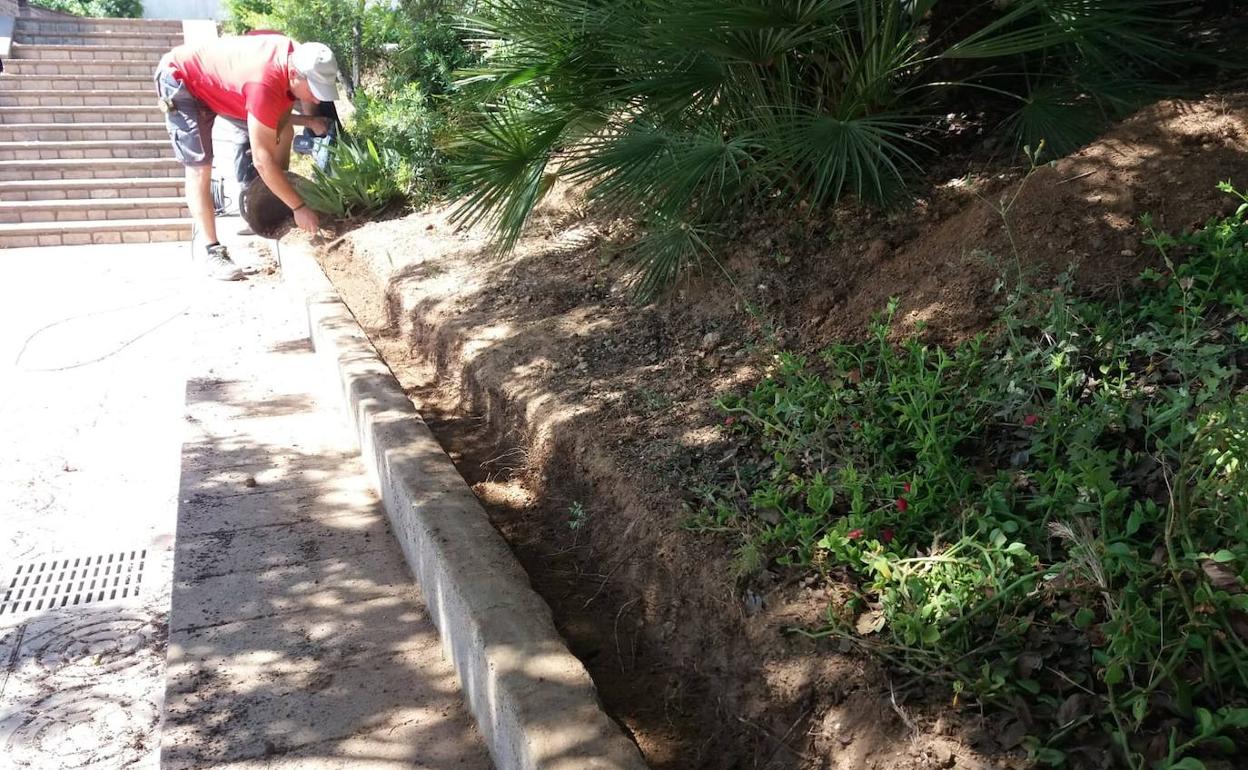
x=683 y=113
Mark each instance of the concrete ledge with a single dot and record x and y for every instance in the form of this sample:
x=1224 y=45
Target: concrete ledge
x=198 y=30
x=533 y=700
x=6 y=36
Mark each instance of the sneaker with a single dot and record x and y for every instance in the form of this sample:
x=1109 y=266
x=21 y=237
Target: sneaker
x=219 y=265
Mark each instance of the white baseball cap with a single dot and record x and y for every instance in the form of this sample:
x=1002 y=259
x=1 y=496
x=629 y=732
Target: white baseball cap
x=316 y=63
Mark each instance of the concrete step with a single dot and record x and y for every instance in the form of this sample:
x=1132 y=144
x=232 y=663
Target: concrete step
x=81 y=189
x=82 y=210
x=134 y=53
x=17 y=235
x=97 y=26
x=140 y=113
x=101 y=148
x=116 y=39
x=46 y=83
x=92 y=98
x=17 y=170
x=84 y=70
x=82 y=132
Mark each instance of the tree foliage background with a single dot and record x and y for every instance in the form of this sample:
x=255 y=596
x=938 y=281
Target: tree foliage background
x=124 y=9
x=397 y=59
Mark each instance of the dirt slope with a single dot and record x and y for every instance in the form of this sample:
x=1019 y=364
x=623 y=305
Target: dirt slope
x=584 y=421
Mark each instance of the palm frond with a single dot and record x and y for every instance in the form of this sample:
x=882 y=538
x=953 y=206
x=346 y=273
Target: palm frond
x=654 y=170
x=827 y=155
x=502 y=165
x=1061 y=117
x=1098 y=27
x=666 y=248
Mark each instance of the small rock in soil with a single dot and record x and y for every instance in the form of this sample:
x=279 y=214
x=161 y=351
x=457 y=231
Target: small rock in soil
x=1012 y=735
x=753 y=603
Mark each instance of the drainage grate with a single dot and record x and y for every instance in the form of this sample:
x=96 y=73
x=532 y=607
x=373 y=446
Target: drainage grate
x=57 y=583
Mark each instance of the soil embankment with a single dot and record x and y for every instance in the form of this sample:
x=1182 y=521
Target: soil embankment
x=585 y=421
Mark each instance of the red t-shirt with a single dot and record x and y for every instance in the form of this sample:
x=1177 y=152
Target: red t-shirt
x=239 y=76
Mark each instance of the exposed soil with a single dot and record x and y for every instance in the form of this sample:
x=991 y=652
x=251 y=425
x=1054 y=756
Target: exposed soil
x=582 y=420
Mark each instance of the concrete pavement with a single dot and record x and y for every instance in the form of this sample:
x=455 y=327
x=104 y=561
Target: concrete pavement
x=145 y=413
x=92 y=373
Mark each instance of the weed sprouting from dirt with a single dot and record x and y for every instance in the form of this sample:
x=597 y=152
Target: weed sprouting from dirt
x=577 y=516
x=1051 y=520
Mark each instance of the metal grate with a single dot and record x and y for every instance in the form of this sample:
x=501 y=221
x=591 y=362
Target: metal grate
x=56 y=583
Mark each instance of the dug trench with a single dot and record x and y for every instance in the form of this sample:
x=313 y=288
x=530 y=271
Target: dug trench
x=585 y=421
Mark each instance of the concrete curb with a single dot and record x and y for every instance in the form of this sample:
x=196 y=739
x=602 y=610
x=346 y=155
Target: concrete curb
x=533 y=700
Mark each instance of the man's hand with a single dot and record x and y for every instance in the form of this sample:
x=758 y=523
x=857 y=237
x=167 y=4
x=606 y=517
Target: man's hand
x=306 y=218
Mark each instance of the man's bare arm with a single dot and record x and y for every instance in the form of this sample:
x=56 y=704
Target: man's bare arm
x=264 y=155
x=319 y=125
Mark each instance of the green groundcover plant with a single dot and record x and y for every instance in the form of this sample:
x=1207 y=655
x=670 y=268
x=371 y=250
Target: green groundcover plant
x=1052 y=520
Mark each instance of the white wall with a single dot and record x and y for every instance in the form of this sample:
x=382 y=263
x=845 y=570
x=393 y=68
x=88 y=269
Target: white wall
x=183 y=9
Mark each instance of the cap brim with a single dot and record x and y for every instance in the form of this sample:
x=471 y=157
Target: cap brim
x=326 y=92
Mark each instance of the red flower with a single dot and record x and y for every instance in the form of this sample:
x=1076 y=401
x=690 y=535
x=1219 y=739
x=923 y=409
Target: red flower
x=902 y=504
x=730 y=420
x=906 y=487
x=855 y=425
x=886 y=536
x=854 y=534
x=1031 y=420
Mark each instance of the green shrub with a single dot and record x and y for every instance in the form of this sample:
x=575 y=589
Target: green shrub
x=331 y=22
x=242 y=16
x=126 y=9
x=1055 y=517
x=399 y=43
x=408 y=51
x=681 y=113
x=362 y=180
x=406 y=122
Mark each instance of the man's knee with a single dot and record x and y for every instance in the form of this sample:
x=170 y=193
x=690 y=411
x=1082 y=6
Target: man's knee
x=199 y=184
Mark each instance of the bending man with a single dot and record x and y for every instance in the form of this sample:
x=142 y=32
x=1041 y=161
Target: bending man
x=254 y=82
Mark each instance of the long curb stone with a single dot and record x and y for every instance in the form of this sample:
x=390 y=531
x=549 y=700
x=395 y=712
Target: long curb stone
x=534 y=702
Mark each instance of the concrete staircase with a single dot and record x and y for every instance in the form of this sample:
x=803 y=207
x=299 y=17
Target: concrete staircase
x=84 y=156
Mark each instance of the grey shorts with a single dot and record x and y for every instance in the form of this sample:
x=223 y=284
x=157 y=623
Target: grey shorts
x=188 y=120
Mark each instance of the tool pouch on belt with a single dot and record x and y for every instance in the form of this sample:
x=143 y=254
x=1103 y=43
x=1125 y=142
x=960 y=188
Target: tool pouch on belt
x=165 y=94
